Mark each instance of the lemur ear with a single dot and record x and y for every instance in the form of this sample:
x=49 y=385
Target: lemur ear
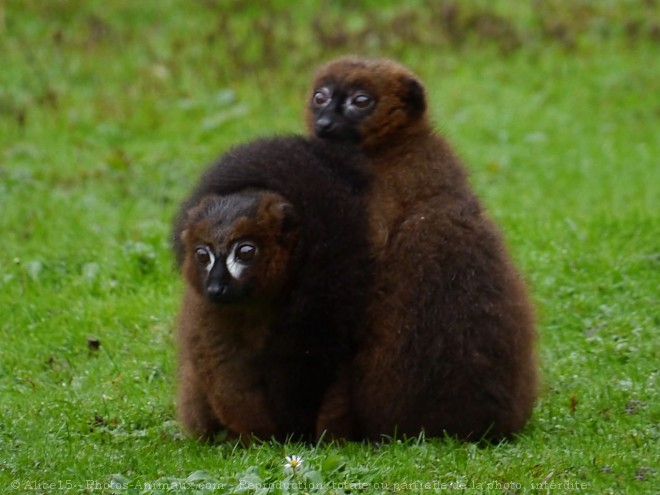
x=200 y=209
x=289 y=218
x=415 y=98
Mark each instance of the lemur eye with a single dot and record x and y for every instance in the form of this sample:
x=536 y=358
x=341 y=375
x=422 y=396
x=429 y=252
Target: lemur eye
x=245 y=252
x=203 y=255
x=362 y=101
x=321 y=97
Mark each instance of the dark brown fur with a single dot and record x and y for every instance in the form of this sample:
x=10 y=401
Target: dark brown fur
x=449 y=346
x=222 y=346
x=284 y=351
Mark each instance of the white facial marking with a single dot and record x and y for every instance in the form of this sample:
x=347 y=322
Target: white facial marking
x=234 y=266
x=209 y=267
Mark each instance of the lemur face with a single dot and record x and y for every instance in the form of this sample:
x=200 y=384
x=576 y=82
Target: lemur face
x=365 y=101
x=239 y=246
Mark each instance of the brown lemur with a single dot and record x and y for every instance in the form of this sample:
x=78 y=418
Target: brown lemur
x=448 y=346
x=272 y=244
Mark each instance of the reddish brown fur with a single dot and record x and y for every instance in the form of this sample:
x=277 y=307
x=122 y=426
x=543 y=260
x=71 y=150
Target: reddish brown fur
x=450 y=343
x=265 y=364
x=222 y=346
x=390 y=124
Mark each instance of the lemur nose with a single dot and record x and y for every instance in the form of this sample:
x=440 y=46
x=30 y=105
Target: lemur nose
x=215 y=290
x=323 y=124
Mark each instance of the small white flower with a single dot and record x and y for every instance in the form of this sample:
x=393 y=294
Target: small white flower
x=293 y=462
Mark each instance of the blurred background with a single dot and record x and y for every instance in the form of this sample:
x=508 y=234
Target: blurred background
x=149 y=67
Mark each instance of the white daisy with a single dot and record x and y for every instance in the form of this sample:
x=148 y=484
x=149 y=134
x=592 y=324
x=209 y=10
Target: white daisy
x=293 y=462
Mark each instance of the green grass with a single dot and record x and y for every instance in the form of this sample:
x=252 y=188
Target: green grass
x=110 y=110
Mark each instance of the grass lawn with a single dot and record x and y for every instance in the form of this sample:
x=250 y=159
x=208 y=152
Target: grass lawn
x=110 y=110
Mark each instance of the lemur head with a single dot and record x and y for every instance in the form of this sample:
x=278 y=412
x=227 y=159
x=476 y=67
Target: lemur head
x=366 y=101
x=239 y=246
